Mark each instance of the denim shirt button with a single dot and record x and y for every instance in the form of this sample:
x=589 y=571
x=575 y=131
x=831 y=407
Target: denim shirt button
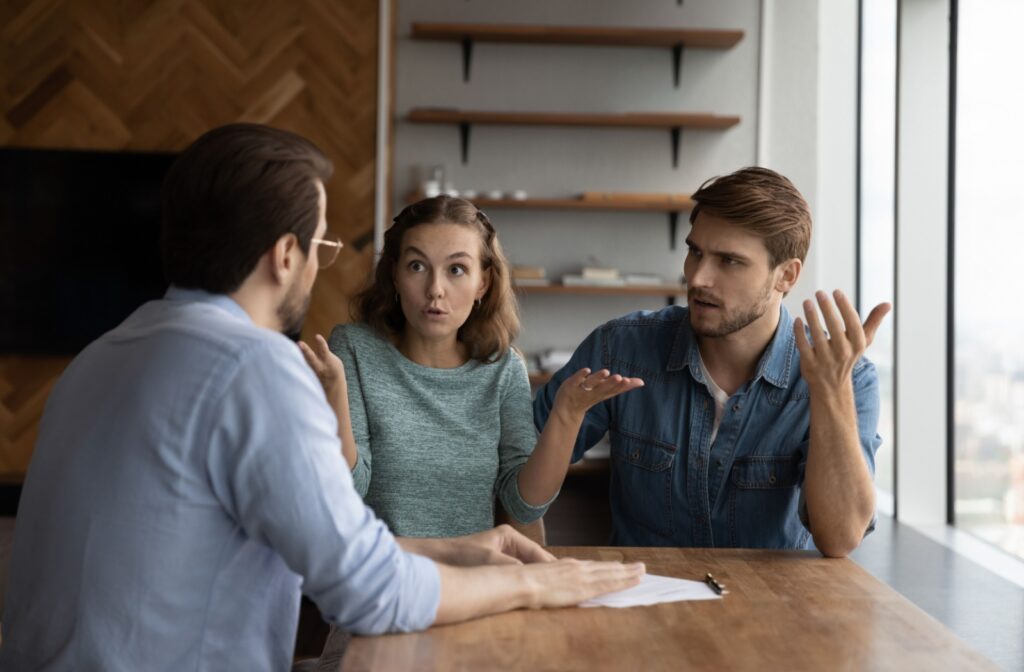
x=771 y=479
x=636 y=455
x=735 y=407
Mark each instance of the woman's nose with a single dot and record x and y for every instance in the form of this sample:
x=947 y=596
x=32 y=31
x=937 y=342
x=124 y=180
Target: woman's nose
x=435 y=288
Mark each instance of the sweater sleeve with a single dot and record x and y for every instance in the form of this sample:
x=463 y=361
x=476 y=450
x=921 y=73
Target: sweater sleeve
x=518 y=438
x=342 y=346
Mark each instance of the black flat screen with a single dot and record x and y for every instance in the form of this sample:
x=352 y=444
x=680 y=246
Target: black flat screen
x=79 y=244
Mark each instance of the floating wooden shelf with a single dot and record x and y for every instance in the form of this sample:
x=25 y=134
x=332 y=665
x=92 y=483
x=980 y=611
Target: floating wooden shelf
x=613 y=204
x=590 y=466
x=590 y=35
x=621 y=290
x=674 y=122
x=675 y=39
x=440 y=115
x=539 y=378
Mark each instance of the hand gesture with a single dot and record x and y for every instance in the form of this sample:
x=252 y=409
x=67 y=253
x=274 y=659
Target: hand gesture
x=584 y=389
x=568 y=582
x=503 y=545
x=829 y=360
x=326 y=365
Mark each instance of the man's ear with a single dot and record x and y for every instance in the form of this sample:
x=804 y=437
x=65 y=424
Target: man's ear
x=790 y=273
x=283 y=257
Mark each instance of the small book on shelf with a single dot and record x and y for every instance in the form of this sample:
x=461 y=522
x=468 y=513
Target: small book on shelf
x=529 y=272
x=599 y=273
x=643 y=279
x=581 y=281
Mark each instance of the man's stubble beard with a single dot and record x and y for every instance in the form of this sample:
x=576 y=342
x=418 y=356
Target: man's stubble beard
x=733 y=323
x=292 y=310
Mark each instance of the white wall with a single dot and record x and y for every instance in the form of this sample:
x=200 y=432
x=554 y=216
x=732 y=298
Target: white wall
x=565 y=161
x=808 y=127
x=921 y=286
x=792 y=81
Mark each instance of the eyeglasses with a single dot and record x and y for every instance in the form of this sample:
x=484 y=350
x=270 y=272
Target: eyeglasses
x=327 y=250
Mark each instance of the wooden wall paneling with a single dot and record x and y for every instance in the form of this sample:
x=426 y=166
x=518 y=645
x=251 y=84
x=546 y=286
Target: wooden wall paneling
x=109 y=74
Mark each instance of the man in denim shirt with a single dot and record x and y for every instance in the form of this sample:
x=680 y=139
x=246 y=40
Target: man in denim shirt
x=752 y=429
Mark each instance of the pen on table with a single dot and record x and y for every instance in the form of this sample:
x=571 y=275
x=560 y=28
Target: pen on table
x=714 y=585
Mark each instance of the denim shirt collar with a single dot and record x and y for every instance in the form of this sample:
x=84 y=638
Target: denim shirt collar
x=775 y=364
x=222 y=301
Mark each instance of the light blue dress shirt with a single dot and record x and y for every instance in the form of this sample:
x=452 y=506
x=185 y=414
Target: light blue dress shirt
x=187 y=483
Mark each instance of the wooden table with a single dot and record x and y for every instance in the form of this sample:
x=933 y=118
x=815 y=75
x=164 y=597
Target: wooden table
x=786 y=610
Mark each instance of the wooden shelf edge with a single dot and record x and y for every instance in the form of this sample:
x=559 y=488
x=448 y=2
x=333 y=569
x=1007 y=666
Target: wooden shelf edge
x=539 y=377
x=432 y=115
x=615 y=290
x=570 y=203
x=590 y=465
x=701 y=38
x=585 y=204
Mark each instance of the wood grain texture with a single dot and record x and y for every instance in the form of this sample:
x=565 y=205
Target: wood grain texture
x=786 y=610
x=590 y=35
x=153 y=75
x=602 y=290
x=429 y=115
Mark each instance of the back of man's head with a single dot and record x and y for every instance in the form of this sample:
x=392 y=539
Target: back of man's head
x=230 y=196
x=764 y=203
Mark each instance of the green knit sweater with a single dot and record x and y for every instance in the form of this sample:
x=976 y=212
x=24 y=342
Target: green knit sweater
x=436 y=446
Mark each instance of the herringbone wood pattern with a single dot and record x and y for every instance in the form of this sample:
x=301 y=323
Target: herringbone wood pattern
x=129 y=74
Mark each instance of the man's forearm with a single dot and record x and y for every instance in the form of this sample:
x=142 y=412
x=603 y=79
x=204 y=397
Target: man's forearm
x=837 y=483
x=471 y=592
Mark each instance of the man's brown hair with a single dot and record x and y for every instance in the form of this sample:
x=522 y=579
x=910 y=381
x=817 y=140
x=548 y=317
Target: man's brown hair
x=230 y=196
x=492 y=325
x=764 y=203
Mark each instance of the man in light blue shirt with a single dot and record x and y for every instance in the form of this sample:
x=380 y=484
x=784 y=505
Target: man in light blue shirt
x=188 y=481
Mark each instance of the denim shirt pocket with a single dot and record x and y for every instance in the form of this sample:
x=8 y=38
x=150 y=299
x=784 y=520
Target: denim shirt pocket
x=763 y=497
x=642 y=479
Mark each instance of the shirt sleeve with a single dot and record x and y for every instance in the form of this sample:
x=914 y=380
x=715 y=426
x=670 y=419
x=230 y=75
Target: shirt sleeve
x=275 y=466
x=341 y=346
x=518 y=439
x=868 y=403
x=596 y=421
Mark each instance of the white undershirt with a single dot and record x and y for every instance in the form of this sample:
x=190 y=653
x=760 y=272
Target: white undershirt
x=719 y=395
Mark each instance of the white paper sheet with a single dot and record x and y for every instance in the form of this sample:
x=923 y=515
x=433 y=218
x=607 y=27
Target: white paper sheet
x=654 y=589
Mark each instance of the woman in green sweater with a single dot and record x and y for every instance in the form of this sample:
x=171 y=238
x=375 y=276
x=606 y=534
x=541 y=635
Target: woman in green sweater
x=433 y=402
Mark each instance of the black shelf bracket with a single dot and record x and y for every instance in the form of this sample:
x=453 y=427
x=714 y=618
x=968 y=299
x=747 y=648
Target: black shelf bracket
x=677 y=63
x=676 y=132
x=673 y=228
x=464 y=140
x=467 y=58
x=670 y=301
